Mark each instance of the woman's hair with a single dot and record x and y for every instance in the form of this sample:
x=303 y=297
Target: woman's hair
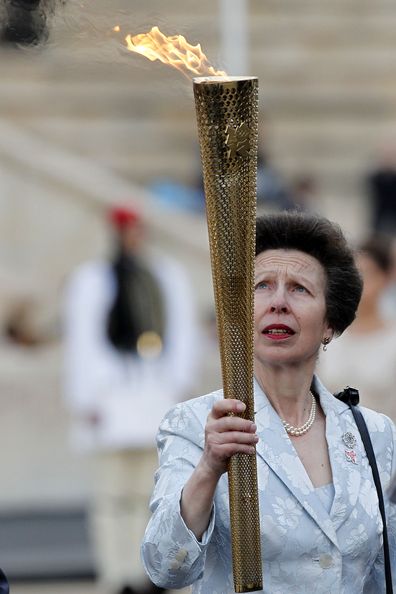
x=379 y=248
x=324 y=240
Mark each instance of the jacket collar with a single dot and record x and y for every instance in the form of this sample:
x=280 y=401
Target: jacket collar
x=276 y=448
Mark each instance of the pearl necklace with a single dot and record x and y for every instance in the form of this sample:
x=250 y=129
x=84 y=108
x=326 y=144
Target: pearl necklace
x=297 y=431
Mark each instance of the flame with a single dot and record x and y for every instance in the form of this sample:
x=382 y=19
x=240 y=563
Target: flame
x=174 y=51
x=117 y=28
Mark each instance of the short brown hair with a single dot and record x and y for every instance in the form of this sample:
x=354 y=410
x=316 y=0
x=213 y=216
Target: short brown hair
x=317 y=236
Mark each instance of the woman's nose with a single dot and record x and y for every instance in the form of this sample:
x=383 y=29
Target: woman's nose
x=279 y=303
x=277 y=308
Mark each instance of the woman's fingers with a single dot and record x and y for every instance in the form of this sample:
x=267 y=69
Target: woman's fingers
x=223 y=417
x=227 y=434
x=218 y=451
x=226 y=406
x=230 y=424
x=236 y=437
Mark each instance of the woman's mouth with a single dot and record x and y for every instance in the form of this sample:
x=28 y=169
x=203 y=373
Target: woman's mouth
x=278 y=331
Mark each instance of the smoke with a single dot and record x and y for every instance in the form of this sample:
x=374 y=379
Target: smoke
x=26 y=22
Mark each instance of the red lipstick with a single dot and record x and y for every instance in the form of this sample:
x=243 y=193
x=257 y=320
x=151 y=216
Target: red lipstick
x=278 y=331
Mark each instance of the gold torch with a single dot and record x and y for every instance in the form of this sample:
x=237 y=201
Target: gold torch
x=227 y=116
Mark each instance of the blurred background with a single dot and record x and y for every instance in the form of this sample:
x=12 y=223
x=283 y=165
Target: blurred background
x=84 y=124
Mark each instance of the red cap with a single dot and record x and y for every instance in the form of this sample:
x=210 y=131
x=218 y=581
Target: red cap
x=123 y=216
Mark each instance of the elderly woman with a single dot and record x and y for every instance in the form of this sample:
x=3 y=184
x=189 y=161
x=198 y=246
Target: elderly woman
x=321 y=527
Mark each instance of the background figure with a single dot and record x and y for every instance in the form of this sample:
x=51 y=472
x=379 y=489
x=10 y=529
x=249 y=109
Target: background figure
x=365 y=355
x=272 y=190
x=305 y=192
x=388 y=302
x=382 y=191
x=18 y=327
x=130 y=355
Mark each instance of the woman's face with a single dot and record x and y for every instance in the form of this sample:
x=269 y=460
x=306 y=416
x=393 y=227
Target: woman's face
x=290 y=307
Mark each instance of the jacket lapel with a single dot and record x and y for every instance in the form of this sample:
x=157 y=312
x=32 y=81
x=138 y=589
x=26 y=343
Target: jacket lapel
x=278 y=452
x=346 y=461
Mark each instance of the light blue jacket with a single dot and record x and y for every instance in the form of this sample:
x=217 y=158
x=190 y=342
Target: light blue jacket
x=305 y=549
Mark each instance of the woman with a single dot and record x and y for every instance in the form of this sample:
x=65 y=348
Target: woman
x=320 y=523
x=365 y=355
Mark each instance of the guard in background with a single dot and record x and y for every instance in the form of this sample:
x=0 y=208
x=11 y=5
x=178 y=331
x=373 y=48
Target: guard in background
x=131 y=353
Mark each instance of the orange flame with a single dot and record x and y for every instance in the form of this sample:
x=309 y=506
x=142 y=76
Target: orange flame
x=174 y=51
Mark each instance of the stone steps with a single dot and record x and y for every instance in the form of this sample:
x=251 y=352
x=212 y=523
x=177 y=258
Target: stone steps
x=326 y=82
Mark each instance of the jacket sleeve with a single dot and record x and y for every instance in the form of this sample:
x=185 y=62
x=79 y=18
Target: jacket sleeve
x=171 y=554
x=386 y=462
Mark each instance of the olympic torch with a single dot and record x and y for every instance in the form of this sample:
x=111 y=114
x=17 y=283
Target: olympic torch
x=227 y=116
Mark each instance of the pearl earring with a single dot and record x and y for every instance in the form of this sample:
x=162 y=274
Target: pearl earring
x=326 y=341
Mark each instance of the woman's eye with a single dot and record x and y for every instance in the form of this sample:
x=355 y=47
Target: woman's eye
x=300 y=289
x=262 y=285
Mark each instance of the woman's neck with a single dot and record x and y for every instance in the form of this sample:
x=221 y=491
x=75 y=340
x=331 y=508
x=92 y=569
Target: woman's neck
x=288 y=389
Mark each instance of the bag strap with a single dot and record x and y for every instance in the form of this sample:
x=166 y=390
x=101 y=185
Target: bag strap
x=351 y=397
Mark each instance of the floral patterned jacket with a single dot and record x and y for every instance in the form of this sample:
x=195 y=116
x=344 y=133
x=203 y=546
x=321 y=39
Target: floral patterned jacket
x=305 y=549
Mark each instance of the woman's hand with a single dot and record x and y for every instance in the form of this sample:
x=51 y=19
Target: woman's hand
x=226 y=434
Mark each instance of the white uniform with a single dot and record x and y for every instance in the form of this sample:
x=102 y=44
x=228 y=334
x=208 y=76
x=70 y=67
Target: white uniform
x=117 y=402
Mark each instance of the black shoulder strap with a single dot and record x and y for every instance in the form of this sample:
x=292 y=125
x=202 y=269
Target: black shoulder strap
x=351 y=397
